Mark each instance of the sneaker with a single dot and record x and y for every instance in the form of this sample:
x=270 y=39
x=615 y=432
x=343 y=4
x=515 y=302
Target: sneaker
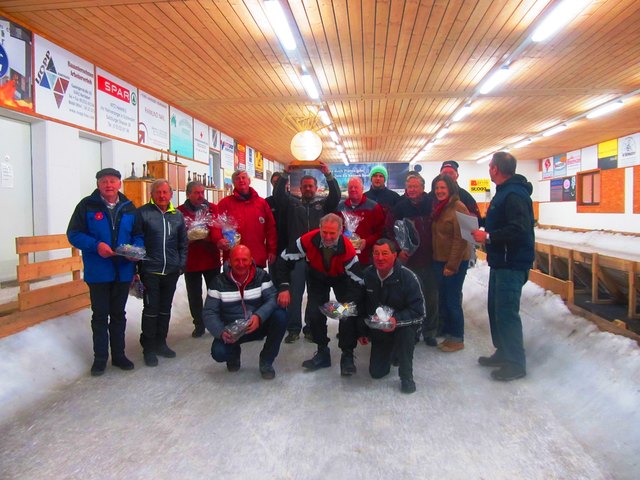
x=233 y=363
x=347 y=365
x=98 y=367
x=267 y=371
x=322 y=359
x=407 y=386
x=150 y=359
x=198 y=331
x=431 y=341
x=450 y=346
x=508 y=372
x=164 y=351
x=123 y=363
x=291 y=337
x=492 y=361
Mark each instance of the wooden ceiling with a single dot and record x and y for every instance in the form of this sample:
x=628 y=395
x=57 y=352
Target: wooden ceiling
x=391 y=72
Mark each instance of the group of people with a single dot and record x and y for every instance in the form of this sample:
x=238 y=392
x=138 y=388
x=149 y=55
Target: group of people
x=303 y=243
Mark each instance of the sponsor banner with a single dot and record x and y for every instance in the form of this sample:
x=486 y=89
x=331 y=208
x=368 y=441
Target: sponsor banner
x=227 y=149
x=153 y=121
x=397 y=174
x=116 y=106
x=214 y=138
x=559 y=165
x=479 y=185
x=240 y=161
x=200 y=141
x=569 y=189
x=180 y=133
x=214 y=162
x=259 y=163
x=608 y=154
x=64 y=85
x=629 y=150
x=556 y=190
x=251 y=166
x=547 y=168
x=574 y=162
x=15 y=66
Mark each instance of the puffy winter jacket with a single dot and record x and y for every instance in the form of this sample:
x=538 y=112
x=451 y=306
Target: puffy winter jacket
x=371 y=224
x=165 y=239
x=92 y=223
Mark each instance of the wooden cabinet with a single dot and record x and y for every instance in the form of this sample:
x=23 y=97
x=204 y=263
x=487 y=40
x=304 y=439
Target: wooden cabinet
x=175 y=173
x=213 y=195
x=138 y=191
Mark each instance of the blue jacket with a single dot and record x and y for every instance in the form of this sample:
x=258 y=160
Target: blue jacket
x=93 y=223
x=510 y=225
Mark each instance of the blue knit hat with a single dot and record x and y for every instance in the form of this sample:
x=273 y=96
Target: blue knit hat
x=379 y=169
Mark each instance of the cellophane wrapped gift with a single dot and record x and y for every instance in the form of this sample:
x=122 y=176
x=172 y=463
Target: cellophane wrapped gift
x=337 y=310
x=237 y=328
x=351 y=222
x=229 y=228
x=381 y=319
x=136 y=289
x=131 y=251
x=406 y=235
x=198 y=227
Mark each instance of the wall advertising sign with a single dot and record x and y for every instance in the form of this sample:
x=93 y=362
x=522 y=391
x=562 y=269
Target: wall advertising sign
x=241 y=157
x=227 y=150
x=153 y=121
x=200 y=141
x=479 y=185
x=547 y=168
x=117 y=106
x=556 y=189
x=181 y=132
x=629 y=150
x=559 y=165
x=574 y=161
x=15 y=66
x=569 y=189
x=251 y=166
x=214 y=139
x=64 y=85
x=608 y=154
x=259 y=161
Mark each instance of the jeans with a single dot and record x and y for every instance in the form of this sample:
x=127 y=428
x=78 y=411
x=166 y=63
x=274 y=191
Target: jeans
x=450 y=300
x=156 y=313
x=296 y=288
x=193 y=282
x=400 y=343
x=431 y=324
x=273 y=328
x=505 y=289
x=108 y=321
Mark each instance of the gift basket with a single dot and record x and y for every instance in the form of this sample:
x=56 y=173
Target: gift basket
x=351 y=222
x=229 y=228
x=131 y=251
x=406 y=235
x=337 y=310
x=198 y=226
x=381 y=320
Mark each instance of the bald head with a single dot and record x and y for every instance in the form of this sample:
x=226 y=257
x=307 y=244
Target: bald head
x=240 y=261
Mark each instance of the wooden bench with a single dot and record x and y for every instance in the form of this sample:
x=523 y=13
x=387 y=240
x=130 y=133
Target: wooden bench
x=36 y=305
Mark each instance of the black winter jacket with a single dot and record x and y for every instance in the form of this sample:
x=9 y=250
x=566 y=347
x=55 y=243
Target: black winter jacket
x=165 y=239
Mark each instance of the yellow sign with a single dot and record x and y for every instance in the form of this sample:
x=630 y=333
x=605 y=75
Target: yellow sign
x=477 y=185
x=608 y=149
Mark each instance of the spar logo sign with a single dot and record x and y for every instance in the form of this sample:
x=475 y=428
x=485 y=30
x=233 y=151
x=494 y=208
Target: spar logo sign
x=123 y=94
x=49 y=78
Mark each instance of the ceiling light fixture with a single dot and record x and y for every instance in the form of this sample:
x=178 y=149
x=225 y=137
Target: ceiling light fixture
x=463 y=112
x=309 y=86
x=560 y=16
x=603 y=110
x=339 y=147
x=554 y=130
x=344 y=158
x=334 y=136
x=485 y=159
x=279 y=24
x=523 y=143
x=498 y=77
x=324 y=117
x=442 y=133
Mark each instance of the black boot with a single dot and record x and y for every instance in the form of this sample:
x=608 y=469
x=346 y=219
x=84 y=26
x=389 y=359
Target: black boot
x=98 y=367
x=322 y=359
x=347 y=365
x=164 y=351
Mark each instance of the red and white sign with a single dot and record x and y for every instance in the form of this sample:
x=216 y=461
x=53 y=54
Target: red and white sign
x=116 y=106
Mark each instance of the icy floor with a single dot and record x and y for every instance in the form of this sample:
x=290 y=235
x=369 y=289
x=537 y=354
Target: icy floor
x=574 y=416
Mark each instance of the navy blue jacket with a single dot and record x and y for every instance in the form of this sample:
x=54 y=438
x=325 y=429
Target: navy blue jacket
x=93 y=223
x=510 y=225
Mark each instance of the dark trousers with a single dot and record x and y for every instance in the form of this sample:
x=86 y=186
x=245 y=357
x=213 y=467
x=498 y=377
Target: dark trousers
x=399 y=343
x=273 y=328
x=108 y=320
x=296 y=289
x=193 y=282
x=450 y=300
x=345 y=291
x=156 y=313
x=505 y=289
x=431 y=325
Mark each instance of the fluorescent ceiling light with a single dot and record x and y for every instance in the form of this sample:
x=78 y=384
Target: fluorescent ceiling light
x=442 y=132
x=494 y=80
x=324 y=117
x=603 y=110
x=554 y=130
x=344 y=158
x=561 y=15
x=523 y=143
x=485 y=159
x=309 y=86
x=339 y=147
x=334 y=136
x=279 y=24
x=463 y=112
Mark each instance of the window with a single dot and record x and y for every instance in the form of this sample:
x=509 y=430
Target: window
x=589 y=183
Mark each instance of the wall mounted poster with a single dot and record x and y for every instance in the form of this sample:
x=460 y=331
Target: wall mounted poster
x=227 y=150
x=64 y=85
x=116 y=106
x=200 y=141
x=608 y=154
x=547 y=168
x=574 y=162
x=259 y=161
x=559 y=165
x=251 y=166
x=214 y=138
x=629 y=150
x=153 y=121
x=569 y=189
x=479 y=185
x=181 y=133
x=556 y=189
x=241 y=157
x=15 y=66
